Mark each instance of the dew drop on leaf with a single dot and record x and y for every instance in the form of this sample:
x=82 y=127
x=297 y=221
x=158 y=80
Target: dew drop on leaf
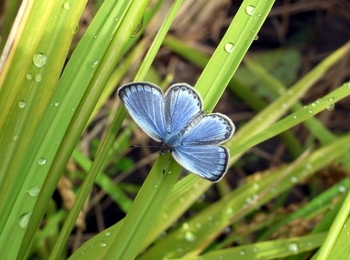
x=39 y=59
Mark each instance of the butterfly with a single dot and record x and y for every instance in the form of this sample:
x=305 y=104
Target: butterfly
x=176 y=119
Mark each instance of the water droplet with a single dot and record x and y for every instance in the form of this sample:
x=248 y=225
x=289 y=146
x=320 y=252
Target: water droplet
x=256 y=186
x=38 y=77
x=330 y=107
x=293 y=247
x=256 y=37
x=107 y=233
x=281 y=91
x=95 y=36
x=15 y=138
x=250 y=10
x=29 y=76
x=198 y=225
x=24 y=219
x=39 y=59
x=189 y=236
x=294 y=117
x=22 y=104
x=34 y=191
x=308 y=166
x=94 y=64
x=342 y=189
x=311 y=111
x=294 y=179
x=116 y=19
x=201 y=198
x=155 y=186
x=57 y=104
x=169 y=172
x=229 y=47
x=229 y=211
x=248 y=199
x=185 y=226
x=242 y=252
x=227 y=230
x=138 y=29
x=75 y=29
x=66 y=5
x=103 y=243
x=331 y=99
x=41 y=161
x=274 y=190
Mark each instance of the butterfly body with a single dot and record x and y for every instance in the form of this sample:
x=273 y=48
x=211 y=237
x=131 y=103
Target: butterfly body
x=176 y=119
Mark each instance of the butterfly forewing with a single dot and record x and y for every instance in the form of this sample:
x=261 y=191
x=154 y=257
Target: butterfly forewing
x=207 y=161
x=182 y=105
x=145 y=104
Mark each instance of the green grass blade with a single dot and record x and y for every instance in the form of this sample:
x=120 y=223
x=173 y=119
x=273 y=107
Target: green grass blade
x=152 y=194
x=267 y=249
x=199 y=231
x=295 y=118
x=105 y=66
x=231 y=50
x=331 y=245
x=29 y=74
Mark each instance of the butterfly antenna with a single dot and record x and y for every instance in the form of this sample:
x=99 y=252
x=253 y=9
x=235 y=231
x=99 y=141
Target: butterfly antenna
x=160 y=152
x=140 y=146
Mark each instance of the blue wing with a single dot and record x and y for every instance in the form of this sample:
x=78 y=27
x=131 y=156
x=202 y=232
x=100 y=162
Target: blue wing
x=210 y=129
x=207 y=161
x=145 y=103
x=182 y=104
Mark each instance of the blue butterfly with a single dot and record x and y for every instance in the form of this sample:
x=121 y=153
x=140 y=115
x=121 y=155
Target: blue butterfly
x=176 y=119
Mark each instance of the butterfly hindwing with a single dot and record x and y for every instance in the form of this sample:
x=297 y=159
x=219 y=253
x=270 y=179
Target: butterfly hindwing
x=212 y=128
x=145 y=103
x=207 y=161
